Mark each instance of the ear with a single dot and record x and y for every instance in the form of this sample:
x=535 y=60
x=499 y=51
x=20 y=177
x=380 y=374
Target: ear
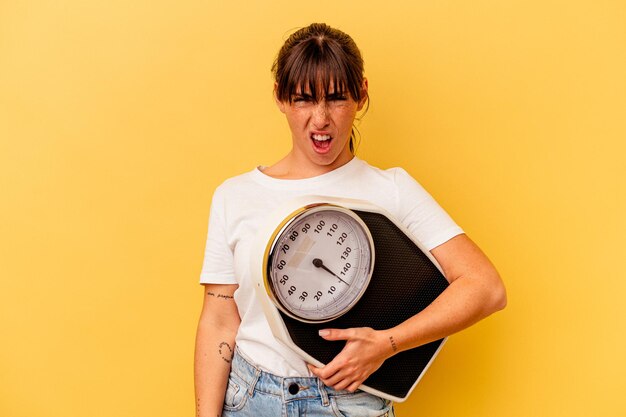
x=280 y=104
x=364 y=96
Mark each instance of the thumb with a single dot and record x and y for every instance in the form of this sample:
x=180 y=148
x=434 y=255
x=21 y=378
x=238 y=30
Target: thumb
x=335 y=334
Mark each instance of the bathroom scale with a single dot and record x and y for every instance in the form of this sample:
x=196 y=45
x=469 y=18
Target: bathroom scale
x=325 y=262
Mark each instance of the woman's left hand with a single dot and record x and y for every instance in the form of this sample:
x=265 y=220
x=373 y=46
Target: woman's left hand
x=365 y=351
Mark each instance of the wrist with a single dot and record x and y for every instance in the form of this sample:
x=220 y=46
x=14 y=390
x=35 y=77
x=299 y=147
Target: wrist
x=390 y=342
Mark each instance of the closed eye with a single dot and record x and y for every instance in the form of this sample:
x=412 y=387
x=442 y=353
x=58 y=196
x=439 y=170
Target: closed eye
x=302 y=98
x=336 y=97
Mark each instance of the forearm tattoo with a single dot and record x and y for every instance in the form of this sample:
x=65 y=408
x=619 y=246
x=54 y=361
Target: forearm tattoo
x=393 y=344
x=198 y=409
x=223 y=296
x=226 y=352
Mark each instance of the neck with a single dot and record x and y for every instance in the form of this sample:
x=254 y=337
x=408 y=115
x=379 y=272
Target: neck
x=294 y=167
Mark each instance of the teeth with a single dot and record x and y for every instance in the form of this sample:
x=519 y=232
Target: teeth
x=321 y=137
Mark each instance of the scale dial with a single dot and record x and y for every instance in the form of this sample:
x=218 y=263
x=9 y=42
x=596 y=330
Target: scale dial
x=318 y=263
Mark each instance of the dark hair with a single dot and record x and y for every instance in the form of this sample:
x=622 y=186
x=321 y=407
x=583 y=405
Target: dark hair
x=317 y=57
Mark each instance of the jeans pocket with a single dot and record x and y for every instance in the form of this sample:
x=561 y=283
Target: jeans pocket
x=360 y=404
x=235 y=397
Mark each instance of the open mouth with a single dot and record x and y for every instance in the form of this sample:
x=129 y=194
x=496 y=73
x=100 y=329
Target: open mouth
x=321 y=142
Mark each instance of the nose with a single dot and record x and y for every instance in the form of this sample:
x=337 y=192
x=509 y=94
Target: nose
x=320 y=116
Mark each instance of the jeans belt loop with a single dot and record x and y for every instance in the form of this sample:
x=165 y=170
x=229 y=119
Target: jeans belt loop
x=257 y=374
x=323 y=393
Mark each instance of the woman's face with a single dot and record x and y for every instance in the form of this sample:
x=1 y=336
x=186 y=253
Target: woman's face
x=321 y=129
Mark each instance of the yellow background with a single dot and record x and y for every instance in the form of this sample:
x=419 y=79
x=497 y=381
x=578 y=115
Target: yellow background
x=118 y=118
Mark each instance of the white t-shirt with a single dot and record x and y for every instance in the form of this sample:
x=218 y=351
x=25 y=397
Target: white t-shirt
x=240 y=206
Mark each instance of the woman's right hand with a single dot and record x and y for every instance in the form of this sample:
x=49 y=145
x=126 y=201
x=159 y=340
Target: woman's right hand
x=215 y=346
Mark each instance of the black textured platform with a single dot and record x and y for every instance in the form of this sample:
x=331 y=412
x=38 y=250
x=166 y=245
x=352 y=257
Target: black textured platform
x=404 y=282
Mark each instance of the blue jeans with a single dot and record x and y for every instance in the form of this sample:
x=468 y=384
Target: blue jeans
x=255 y=393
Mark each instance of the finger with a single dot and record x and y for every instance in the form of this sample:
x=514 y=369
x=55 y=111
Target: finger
x=324 y=373
x=332 y=368
x=342 y=384
x=336 y=334
x=328 y=372
x=354 y=386
x=343 y=377
x=337 y=378
x=314 y=370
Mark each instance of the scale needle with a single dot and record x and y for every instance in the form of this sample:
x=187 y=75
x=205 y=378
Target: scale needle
x=320 y=264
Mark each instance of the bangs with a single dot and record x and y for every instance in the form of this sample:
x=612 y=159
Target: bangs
x=318 y=68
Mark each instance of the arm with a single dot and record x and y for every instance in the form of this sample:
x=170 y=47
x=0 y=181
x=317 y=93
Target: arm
x=475 y=292
x=215 y=344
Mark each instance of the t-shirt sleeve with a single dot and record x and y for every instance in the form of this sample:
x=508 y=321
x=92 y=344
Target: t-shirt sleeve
x=421 y=214
x=218 y=265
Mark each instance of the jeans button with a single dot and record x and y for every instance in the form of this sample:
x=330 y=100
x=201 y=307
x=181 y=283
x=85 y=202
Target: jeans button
x=293 y=389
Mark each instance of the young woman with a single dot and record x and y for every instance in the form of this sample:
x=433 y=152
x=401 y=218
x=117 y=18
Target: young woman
x=320 y=87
